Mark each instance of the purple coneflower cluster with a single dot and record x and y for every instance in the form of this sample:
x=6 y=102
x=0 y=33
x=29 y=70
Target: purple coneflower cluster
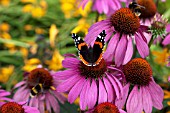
x=117 y=80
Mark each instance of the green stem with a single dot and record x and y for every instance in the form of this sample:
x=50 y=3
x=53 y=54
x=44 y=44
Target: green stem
x=151 y=41
x=97 y=17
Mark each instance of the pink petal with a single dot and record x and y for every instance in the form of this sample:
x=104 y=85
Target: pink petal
x=29 y=109
x=119 y=85
x=41 y=106
x=83 y=3
x=70 y=63
x=60 y=96
x=109 y=89
x=92 y=96
x=68 y=84
x=19 y=84
x=121 y=50
x=168 y=28
x=63 y=75
x=75 y=90
x=134 y=102
x=146 y=100
x=83 y=99
x=48 y=105
x=142 y=46
x=105 y=6
x=111 y=47
x=54 y=104
x=121 y=111
x=129 y=51
x=157 y=94
x=115 y=86
x=102 y=93
x=166 y=41
x=121 y=102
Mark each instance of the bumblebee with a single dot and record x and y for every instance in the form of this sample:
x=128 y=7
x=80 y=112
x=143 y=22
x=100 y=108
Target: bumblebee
x=136 y=8
x=36 y=90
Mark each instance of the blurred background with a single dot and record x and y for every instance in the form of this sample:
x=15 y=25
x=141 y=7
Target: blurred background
x=34 y=32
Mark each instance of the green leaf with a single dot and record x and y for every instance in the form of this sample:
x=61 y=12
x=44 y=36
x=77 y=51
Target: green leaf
x=14 y=42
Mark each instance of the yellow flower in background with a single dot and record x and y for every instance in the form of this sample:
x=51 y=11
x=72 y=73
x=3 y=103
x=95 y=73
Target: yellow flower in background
x=39 y=30
x=28 y=27
x=70 y=8
x=24 y=52
x=56 y=62
x=31 y=64
x=38 y=12
x=4 y=27
x=5 y=73
x=37 y=8
x=53 y=31
x=27 y=8
x=4 y=2
x=161 y=56
x=167 y=96
x=81 y=27
x=28 y=1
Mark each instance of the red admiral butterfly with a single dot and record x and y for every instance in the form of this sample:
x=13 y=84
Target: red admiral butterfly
x=90 y=56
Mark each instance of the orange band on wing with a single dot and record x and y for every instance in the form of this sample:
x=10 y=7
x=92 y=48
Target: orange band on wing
x=82 y=59
x=82 y=44
x=100 y=44
x=99 y=59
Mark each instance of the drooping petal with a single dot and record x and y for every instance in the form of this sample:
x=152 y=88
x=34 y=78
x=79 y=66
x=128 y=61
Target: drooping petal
x=168 y=28
x=54 y=104
x=105 y=6
x=70 y=63
x=29 y=109
x=146 y=100
x=166 y=41
x=19 y=84
x=68 y=84
x=83 y=3
x=142 y=46
x=115 y=86
x=75 y=90
x=129 y=51
x=134 y=102
x=157 y=94
x=63 y=75
x=83 y=99
x=109 y=89
x=102 y=93
x=108 y=55
x=121 y=102
x=121 y=50
x=92 y=96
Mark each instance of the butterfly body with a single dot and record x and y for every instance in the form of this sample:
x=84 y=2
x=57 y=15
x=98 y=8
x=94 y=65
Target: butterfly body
x=90 y=56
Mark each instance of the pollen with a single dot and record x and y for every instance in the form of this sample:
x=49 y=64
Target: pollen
x=40 y=75
x=150 y=8
x=106 y=108
x=93 y=71
x=138 y=72
x=125 y=21
x=11 y=107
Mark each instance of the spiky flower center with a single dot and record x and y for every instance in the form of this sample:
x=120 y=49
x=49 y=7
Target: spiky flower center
x=124 y=21
x=93 y=71
x=40 y=75
x=138 y=72
x=11 y=107
x=150 y=8
x=158 y=27
x=106 y=108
